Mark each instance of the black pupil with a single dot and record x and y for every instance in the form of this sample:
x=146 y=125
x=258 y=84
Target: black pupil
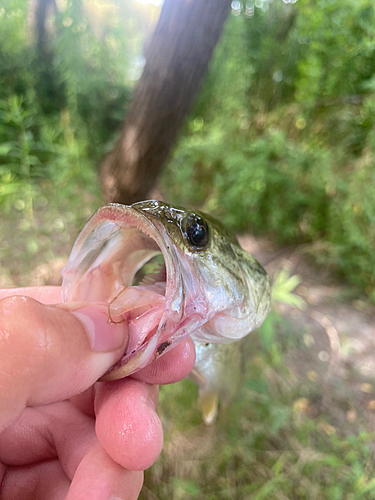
x=198 y=234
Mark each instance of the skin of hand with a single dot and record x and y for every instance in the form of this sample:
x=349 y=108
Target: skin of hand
x=62 y=434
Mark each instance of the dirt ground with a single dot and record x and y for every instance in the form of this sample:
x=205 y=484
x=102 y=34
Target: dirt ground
x=339 y=332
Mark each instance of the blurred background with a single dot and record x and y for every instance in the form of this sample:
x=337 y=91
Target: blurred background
x=279 y=144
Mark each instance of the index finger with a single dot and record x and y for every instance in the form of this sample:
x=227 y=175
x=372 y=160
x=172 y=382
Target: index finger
x=44 y=294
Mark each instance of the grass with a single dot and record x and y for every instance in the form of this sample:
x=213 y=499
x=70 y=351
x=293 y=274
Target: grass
x=36 y=236
x=285 y=437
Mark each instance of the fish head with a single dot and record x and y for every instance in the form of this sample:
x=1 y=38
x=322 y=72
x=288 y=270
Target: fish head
x=220 y=281
x=207 y=286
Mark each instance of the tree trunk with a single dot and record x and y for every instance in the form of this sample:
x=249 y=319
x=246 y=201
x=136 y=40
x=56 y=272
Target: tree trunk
x=176 y=60
x=40 y=30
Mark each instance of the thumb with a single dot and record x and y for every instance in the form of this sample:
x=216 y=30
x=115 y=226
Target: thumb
x=49 y=353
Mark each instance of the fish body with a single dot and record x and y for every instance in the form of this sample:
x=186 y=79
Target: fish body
x=205 y=284
x=217 y=372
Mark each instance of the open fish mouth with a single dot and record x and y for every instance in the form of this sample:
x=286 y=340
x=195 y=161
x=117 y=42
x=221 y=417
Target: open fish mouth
x=165 y=273
x=124 y=258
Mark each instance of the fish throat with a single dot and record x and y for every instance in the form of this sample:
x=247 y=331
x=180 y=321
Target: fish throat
x=141 y=299
x=139 y=281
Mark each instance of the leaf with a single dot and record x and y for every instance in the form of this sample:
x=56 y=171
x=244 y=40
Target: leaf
x=267 y=331
x=283 y=287
x=5 y=148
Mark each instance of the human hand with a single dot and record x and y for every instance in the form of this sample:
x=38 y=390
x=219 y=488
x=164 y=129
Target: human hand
x=62 y=434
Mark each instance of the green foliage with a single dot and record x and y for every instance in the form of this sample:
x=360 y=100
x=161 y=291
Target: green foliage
x=281 y=139
x=61 y=102
x=283 y=287
x=32 y=152
x=48 y=189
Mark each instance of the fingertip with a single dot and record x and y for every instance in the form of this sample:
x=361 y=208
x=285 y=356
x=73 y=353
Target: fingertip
x=127 y=425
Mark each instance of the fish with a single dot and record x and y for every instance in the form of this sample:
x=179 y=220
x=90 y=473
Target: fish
x=167 y=272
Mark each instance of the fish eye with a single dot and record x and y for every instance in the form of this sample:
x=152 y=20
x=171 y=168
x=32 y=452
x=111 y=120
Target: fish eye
x=197 y=232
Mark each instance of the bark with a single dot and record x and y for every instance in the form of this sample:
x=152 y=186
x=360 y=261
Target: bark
x=40 y=30
x=177 y=58
x=43 y=7
x=39 y=27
